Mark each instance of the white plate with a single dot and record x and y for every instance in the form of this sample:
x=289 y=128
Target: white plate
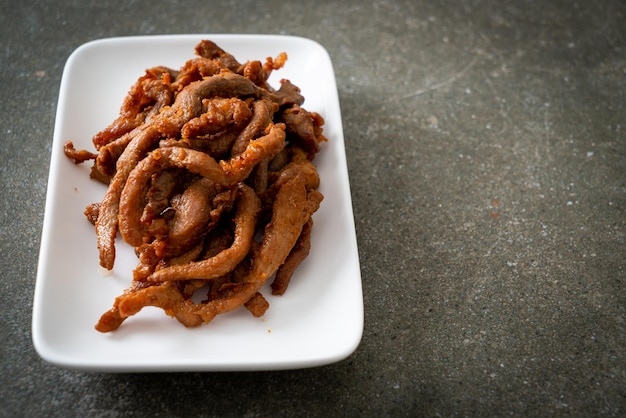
x=319 y=320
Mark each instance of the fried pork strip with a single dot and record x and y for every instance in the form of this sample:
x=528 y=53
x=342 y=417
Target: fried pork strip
x=226 y=260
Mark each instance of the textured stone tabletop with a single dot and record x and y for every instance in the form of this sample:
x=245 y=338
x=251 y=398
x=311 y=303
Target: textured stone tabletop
x=487 y=156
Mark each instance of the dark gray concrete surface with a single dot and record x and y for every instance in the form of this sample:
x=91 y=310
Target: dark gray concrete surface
x=487 y=154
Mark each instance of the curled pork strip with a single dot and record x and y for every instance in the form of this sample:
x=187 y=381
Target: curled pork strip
x=194 y=215
x=248 y=206
x=215 y=131
x=146 y=98
x=226 y=173
x=191 y=211
x=188 y=104
x=162 y=295
x=106 y=224
x=262 y=112
x=110 y=152
x=292 y=210
x=297 y=167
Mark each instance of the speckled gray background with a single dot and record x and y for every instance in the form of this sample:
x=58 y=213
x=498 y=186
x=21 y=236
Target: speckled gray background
x=487 y=160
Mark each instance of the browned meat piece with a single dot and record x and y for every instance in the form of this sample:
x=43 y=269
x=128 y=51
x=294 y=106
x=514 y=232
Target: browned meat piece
x=210 y=50
x=248 y=206
x=259 y=73
x=195 y=69
x=298 y=253
x=262 y=112
x=91 y=212
x=254 y=71
x=220 y=115
x=146 y=98
x=304 y=128
x=167 y=296
x=257 y=305
x=215 y=131
x=78 y=156
x=162 y=187
x=287 y=95
x=195 y=214
x=299 y=161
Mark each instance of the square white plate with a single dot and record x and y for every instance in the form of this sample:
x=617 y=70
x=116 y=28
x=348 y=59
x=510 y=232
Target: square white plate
x=319 y=320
